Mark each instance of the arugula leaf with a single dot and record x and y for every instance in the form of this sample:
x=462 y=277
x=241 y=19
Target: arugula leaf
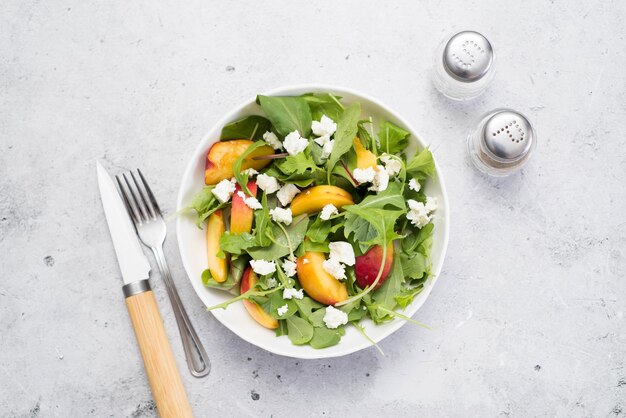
x=324 y=104
x=287 y=114
x=324 y=337
x=261 y=223
x=204 y=203
x=382 y=220
x=386 y=293
x=392 y=197
x=365 y=136
x=320 y=229
x=282 y=328
x=306 y=305
x=297 y=164
x=318 y=247
x=346 y=131
x=209 y=281
x=406 y=295
x=236 y=244
x=276 y=301
x=300 y=331
x=280 y=247
x=362 y=231
x=251 y=127
x=421 y=165
x=392 y=138
x=413 y=266
x=242 y=178
x=317 y=318
x=417 y=237
x=300 y=180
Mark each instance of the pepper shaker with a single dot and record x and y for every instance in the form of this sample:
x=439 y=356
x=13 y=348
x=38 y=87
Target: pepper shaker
x=464 y=65
x=502 y=143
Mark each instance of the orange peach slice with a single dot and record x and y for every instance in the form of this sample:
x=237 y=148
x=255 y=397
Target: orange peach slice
x=315 y=198
x=368 y=265
x=316 y=282
x=214 y=230
x=241 y=215
x=364 y=157
x=222 y=156
x=248 y=280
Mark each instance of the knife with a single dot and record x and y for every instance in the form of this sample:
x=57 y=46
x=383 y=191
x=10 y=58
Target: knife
x=158 y=358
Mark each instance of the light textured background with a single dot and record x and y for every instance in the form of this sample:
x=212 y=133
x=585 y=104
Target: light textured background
x=529 y=311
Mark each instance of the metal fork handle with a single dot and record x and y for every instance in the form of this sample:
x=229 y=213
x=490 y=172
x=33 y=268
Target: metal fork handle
x=188 y=334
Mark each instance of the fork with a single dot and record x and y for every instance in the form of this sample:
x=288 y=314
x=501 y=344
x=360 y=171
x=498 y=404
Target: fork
x=151 y=228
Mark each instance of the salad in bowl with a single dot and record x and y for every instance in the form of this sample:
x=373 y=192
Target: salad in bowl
x=316 y=218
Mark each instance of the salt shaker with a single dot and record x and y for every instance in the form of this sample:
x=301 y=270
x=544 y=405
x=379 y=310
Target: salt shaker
x=464 y=65
x=502 y=143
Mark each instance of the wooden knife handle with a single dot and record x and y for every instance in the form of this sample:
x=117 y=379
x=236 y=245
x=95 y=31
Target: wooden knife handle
x=158 y=359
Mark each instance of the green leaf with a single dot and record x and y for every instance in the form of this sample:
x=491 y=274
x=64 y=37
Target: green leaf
x=282 y=328
x=417 y=237
x=324 y=337
x=276 y=301
x=300 y=180
x=346 y=131
x=242 y=178
x=297 y=164
x=300 y=330
x=392 y=138
x=287 y=114
x=236 y=244
x=262 y=223
x=361 y=230
x=365 y=136
x=281 y=245
x=251 y=127
x=306 y=305
x=421 y=165
x=317 y=318
x=390 y=197
x=385 y=294
x=320 y=229
x=382 y=220
x=406 y=296
x=324 y=104
x=414 y=265
x=209 y=281
x=204 y=203
x=318 y=247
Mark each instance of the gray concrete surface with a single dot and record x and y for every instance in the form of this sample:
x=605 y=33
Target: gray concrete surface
x=528 y=315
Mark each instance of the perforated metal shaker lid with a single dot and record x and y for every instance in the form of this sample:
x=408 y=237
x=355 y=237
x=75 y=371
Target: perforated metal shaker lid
x=508 y=135
x=467 y=56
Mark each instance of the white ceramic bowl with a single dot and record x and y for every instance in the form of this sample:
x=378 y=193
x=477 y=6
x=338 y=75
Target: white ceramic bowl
x=191 y=240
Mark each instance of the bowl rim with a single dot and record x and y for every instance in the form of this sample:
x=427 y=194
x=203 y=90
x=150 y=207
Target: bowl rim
x=292 y=89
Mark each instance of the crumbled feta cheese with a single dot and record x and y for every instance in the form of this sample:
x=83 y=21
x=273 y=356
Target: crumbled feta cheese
x=326 y=126
x=324 y=139
x=414 y=185
x=272 y=140
x=289 y=267
x=333 y=318
x=263 y=267
x=251 y=172
x=418 y=215
x=305 y=261
x=267 y=183
x=333 y=267
x=364 y=175
x=271 y=282
x=381 y=180
x=281 y=215
x=293 y=293
x=250 y=201
x=224 y=190
x=328 y=211
x=327 y=149
x=294 y=143
x=431 y=204
x=392 y=165
x=287 y=193
x=283 y=309
x=342 y=251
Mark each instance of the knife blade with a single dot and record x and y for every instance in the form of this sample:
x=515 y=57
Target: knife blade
x=133 y=262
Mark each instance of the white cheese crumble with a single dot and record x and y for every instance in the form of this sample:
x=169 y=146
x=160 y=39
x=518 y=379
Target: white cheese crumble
x=224 y=190
x=263 y=267
x=281 y=215
x=325 y=126
x=392 y=165
x=322 y=140
x=431 y=204
x=327 y=145
x=333 y=267
x=289 y=267
x=272 y=140
x=287 y=193
x=293 y=293
x=333 y=318
x=294 y=143
x=381 y=180
x=414 y=185
x=328 y=211
x=267 y=183
x=250 y=201
x=418 y=215
x=342 y=251
x=364 y=175
x=271 y=282
x=283 y=309
x=251 y=172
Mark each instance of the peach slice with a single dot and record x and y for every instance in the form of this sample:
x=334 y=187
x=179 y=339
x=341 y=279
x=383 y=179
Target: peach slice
x=214 y=230
x=241 y=215
x=315 y=198
x=364 y=157
x=316 y=282
x=248 y=280
x=368 y=265
x=222 y=156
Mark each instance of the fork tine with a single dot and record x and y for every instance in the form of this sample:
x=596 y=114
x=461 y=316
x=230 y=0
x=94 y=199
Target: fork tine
x=129 y=207
x=140 y=208
x=147 y=205
x=150 y=195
